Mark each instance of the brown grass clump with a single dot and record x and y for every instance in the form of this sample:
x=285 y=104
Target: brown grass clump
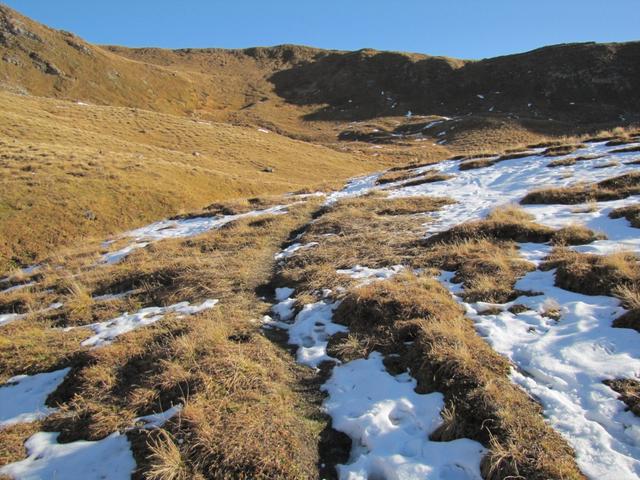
x=384 y=206
x=514 y=155
x=629 y=295
x=629 y=391
x=513 y=223
x=475 y=155
x=634 y=148
x=546 y=144
x=631 y=213
x=576 y=235
x=411 y=178
x=393 y=176
x=592 y=274
x=612 y=163
x=429 y=178
x=13 y=437
x=473 y=164
x=564 y=162
x=231 y=379
x=610 y=189
x=559 y=150
x=370 y=230
x=488 y=269
x=236 y=207
x=445 y=354
x=166 y=462
x=478 y=161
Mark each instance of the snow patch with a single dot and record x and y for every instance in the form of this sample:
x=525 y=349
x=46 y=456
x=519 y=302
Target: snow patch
x=389 y=424
x=369 y=275
x=106 y=459
x=106 y=332
x=180 y=228
x=23 y=397
x=293 y=248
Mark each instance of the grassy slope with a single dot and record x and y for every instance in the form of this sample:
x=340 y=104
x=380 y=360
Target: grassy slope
x=61 y=162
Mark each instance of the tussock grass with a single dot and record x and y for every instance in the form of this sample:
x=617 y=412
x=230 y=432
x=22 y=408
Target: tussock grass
x=13 y=438
x=383 y=205
x=634 y=148
x=560 y=150
x=631 y=213
x=612 y=163
x=243 y=417
x=370 y=230
x=473 y=164
x=412 y=178
x=428 y=178
x=483 y=161
x=629 y=295
x=446 y=355
x=565 y=162
x=629 y=390
x=488 y=269
x=592 y=274
x=613 y=188
x=417 y=319
x=394 y=176
x=513 y=223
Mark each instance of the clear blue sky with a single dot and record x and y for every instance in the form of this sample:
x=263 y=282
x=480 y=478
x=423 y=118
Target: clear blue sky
x=457 y=28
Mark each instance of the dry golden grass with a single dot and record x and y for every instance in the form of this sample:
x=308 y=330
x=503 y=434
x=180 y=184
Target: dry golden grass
x=560 y=150
x=445 y=354
x=613 y=188
x=244 y=416
x=12 y=445
x=166 y=460
x=416 y=318
x=629 y=295
x=488 y=269
x=70 y=171
x=371 y=230
x=593 y=274
x=412 y=178
x=635 y=148
x=512 y=223
x=564 y=162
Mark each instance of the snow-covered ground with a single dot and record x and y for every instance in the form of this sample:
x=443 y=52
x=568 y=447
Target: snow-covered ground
x=388 y=422
x=106 y=459
x=23 y=397
x=561 y=363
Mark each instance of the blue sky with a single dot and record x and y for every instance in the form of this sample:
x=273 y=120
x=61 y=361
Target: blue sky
x=462 y=28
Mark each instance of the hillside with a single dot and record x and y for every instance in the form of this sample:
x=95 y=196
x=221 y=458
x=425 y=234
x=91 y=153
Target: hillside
x=70 y=171
x=437 y=326
x=354 y=103
x=292 y=263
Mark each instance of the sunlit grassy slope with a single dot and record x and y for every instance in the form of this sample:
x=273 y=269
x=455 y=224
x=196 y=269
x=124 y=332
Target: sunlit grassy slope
x=69 y=170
